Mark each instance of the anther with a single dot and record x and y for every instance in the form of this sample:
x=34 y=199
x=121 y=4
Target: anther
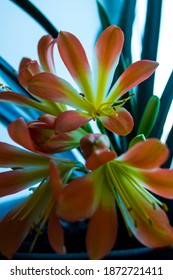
x=5 y=87
x=135 y=224
x=38 y=231
x=150 y=222
x=82 y=94
x=165 y=207
x=154 y=206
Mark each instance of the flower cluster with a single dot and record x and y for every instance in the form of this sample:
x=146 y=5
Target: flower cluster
x=109 y=179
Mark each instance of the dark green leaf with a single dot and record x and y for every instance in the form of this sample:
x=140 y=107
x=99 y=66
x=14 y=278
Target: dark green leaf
x=103 y=16
x=149 y=116
x=126 y=24
x=169 y=143
x=149 y=50
x=113 y=9
x=165 y=103
x=137 y=139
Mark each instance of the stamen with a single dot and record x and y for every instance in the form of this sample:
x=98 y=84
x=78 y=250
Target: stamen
x=46 y=212
x=117 y=199
x=120 y=103
x=119 y=195
x=31 y=202
x=143 y=192
x=37 y=229
x=92 y=108
x=131 y=190
x=4 y=87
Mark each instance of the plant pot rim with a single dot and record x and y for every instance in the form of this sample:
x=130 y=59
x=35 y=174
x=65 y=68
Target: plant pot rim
x=129 y=254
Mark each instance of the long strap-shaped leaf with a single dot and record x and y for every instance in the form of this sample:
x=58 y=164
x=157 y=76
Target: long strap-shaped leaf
x=149 y=50
x=169 y=143
x=105 y=22
x=165 y=103
x=126 y=24
x=113 y=9
x=28 y=7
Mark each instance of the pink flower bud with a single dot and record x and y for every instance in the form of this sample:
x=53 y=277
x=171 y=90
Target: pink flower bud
x=94 y=143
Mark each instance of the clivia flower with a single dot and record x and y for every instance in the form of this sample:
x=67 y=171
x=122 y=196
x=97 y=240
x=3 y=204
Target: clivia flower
x=33 y=213
x=124 y=182
x=27 y=169
x=94 y=99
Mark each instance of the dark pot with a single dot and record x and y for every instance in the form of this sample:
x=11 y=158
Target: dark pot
x=126 y=248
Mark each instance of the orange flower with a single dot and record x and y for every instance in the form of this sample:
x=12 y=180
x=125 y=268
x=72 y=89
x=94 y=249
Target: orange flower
x=94 y=100
x=33 y=213
x=31 y=167
x=123 y=182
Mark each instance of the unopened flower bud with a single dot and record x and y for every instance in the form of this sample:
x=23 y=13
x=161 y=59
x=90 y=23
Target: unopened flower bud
x=94 y=143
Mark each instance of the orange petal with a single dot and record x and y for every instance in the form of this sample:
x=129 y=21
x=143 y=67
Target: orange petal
x=48 y=119
x=159 y=182
x=93 y=142
x=75 y=201
x=31 y=69
x=99 y=158
x=45 y=52
x=55 y=180
x=18 y=222
x=62 y=142
x=12 y=156
x=154 y=233
x=131 y=77
x=17 y=180
x=19 y=132
x=53 y=88
x=55 y=142
x=56 y=234
x=74 y=57
x=147 y=155
x=108 y=48
x=70 y=120
x=121 y=122
x=24 y=63
x=18 y=99
x=12 y=233
x=102 y=231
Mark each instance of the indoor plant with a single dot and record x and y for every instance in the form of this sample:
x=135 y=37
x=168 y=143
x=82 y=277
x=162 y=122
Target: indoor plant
x=54 y=132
